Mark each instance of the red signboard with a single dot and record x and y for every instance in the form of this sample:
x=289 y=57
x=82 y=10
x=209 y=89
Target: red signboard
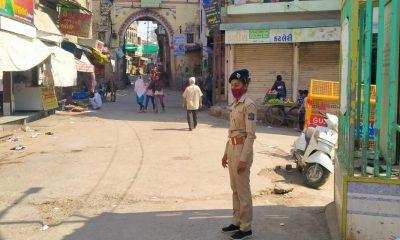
x=21 y=10
x=75 y=23
x=317 y=120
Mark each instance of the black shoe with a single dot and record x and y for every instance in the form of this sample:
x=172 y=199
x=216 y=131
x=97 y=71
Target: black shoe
x=242 y=235
x=230 y=228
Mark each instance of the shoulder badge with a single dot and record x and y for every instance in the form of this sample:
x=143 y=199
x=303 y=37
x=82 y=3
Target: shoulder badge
x=251 y=116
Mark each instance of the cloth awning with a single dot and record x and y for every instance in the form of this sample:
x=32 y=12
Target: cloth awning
x=84 y=65
x=19 y=53
x=63 y=68
x=150 y=48
x=47 y=30
x=131 y=47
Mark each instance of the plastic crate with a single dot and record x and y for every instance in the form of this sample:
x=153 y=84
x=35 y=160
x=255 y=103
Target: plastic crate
x=80 y=95
x=324 y=96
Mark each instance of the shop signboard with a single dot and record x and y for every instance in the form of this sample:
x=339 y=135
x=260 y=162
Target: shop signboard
x=213 y=15
x=49 y=98
x=283 y=35
x=75 y=23
x=20 y=10
x=150 y=3
x=179 y=44
x=259 y=34
x=317 y=120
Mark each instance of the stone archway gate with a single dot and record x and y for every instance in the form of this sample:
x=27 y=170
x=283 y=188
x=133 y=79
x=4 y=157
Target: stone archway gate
x=155 y=16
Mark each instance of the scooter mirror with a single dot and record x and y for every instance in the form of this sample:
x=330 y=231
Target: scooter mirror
x=323 y=114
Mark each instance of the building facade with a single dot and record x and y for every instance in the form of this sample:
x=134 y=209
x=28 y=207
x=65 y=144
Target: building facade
x=179 y=20
x=298 y=40
x=131 y=35
x=34 y=63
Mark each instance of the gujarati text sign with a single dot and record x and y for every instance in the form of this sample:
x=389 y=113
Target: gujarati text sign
x=21 y=10
x=75 y=23
x=283 y=35
x=212 y=12
x=49 y=98
x=179 y=44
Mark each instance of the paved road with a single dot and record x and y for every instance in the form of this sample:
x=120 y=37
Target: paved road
x=117 y=174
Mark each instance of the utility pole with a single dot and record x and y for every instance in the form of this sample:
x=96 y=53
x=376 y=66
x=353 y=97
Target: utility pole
x=147 y=38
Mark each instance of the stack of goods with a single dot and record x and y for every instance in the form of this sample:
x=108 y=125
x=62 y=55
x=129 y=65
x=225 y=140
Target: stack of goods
x=271 y=95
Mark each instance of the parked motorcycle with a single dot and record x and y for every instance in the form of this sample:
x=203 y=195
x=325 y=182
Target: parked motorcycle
x=314 y=151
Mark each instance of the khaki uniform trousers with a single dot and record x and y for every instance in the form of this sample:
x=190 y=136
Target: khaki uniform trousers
x=240 y=184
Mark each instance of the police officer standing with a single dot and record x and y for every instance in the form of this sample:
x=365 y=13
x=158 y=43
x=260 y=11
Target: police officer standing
x=238 y=155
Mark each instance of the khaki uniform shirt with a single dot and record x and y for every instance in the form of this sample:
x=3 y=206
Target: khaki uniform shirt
x=243 y=120
x=192 y=97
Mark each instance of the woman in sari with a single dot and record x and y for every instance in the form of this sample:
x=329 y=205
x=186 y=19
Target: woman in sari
x=140 y=90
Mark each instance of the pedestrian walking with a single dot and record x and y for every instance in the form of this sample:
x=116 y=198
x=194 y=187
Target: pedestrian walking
x=300 y=103
x=159 y=94
x=192 y=100
x=140 y=90
x=209 y=88
x=238 y=156
x=150 y=96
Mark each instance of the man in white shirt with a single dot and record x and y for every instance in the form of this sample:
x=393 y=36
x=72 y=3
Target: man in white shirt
x=192 y=100
x=95 y=100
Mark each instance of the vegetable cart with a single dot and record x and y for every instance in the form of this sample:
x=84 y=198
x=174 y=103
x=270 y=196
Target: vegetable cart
x=279 y=114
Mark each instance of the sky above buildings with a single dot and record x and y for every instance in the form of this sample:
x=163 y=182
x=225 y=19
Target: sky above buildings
x=145 y=26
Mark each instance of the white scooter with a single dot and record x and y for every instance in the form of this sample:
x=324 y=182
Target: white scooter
x=314 y=151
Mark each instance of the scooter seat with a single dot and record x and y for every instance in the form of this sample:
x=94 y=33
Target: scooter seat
x=308 y=134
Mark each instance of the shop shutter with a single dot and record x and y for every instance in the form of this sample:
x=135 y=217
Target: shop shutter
x=318 y=61
x=265 y=62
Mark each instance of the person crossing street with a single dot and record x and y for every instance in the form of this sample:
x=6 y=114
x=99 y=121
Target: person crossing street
x=192 y=100
x=238 y=156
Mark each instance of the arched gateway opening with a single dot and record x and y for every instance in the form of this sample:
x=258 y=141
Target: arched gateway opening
x=164 y=39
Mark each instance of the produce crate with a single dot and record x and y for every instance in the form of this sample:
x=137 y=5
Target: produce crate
x=324 y=96
x=269 y=96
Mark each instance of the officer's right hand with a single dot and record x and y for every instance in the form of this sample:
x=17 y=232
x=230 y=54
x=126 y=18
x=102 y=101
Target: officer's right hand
x=224 y=161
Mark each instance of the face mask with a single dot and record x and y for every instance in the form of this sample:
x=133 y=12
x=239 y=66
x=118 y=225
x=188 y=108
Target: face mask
x=237 y=93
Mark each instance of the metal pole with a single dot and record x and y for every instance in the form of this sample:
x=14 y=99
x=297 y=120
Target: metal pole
x=147 y=38
x=393 y=83
x=378 y=94
x=351 y=102
x=361 y=63
x=367 y=85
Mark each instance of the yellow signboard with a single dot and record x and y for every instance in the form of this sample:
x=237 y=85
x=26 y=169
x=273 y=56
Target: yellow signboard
x=49 y=98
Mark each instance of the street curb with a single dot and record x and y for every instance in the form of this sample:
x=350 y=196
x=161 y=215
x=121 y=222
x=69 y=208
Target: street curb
x=331 y=221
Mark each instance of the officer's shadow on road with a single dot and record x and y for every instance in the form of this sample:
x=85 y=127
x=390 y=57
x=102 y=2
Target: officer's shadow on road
x=5 y=211
x=270 y=222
